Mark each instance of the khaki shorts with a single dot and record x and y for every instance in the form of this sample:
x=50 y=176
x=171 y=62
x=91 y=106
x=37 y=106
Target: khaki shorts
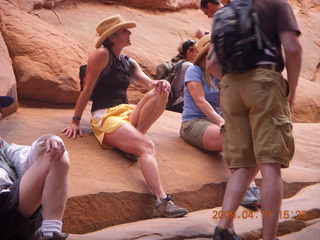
x=258 y=125
x=113 y=118
x=192 y=131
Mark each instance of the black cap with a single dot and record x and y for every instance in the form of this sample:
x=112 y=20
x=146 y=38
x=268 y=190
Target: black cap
x=6 y=101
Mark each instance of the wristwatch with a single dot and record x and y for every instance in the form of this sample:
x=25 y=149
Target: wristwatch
x=76 y=118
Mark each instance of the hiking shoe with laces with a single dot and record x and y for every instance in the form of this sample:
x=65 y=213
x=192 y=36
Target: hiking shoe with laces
x=224 y=234
x=165 y=207
x=249 y=200
x=256 y=192
x=56 y=236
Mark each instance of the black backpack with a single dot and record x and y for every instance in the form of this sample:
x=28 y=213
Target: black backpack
x=170 y=71
x=128 y=70
x=238 y=38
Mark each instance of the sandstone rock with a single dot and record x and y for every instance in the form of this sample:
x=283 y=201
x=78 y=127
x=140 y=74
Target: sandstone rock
x=308 y=18
x=161 y=4
x=45 y=60
x=7 y=78
x=106 y=189
x=103 y=178
x=200 y=225
x=307 y=106
x=158 y=34
x=29 y=5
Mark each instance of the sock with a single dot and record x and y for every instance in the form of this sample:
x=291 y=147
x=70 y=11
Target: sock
x=50 y=226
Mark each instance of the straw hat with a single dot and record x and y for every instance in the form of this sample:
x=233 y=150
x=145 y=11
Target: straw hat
x=110 y=25
x=202 y=46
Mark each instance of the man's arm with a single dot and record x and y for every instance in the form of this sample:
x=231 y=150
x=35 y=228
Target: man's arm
x=212 y=63
x=293 y=59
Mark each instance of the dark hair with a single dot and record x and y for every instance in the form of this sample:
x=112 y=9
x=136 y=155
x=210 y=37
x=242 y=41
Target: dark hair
x=204 y=3
x=107 y=43
x=186 y=45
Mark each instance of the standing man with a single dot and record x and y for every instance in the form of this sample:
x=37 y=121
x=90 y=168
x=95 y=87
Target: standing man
x=33 y=187
x=256 y=107
x=252 y=197
x=208 y=7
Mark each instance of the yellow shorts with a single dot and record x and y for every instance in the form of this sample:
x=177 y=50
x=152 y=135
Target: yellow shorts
x=110 y=121
x=258 y=126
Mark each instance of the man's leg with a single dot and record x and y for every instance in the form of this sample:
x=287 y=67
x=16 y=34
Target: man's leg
x=45 y=183
x=271 y=198
x=236 y=188
x=148 y=110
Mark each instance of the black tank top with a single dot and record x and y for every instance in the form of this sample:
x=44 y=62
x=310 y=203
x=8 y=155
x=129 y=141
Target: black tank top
x=112 y=86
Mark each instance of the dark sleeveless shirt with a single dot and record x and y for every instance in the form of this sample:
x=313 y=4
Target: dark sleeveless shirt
x=112 y=86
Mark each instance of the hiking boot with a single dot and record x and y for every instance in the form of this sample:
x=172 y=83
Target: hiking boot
x=249 y=200
x=224 y=234
x=256 y=192
x=56 y=236
x=165 y=207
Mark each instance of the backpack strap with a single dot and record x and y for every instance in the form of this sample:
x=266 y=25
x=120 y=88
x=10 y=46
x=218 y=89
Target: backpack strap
x=128 y=65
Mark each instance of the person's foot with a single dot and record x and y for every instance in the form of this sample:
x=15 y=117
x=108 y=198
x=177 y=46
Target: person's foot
x=165 y=207
x=249 y=200
x=256 y=192
x=224 y=234
x=56 y=236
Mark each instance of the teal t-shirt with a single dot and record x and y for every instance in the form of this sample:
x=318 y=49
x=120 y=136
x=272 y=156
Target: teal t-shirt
x=190 y=109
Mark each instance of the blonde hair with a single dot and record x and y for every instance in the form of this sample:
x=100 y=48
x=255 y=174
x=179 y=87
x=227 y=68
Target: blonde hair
x=207 y=76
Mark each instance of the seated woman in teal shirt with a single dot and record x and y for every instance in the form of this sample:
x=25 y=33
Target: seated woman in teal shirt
x=201 y=116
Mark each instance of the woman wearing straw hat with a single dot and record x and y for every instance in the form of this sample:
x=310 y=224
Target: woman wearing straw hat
x=201 y=117
x=115 y=123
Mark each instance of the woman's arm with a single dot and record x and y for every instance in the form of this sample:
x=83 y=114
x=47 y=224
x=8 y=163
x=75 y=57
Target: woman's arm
x=142 y=78
x=212 y=63
x=96 y=63
x=197 y=93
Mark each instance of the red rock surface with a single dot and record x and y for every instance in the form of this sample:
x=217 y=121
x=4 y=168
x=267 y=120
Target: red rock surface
x=298 y=213
x=155 y=40
x=7 y=78
x=158 y=34
x=105 y=188
x=45 y=60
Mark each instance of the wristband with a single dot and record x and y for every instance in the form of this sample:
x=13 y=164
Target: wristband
x=76 y=118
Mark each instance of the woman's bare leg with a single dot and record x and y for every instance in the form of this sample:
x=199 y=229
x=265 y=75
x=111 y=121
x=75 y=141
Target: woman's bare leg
x=128 y=139
x=148 y=110
x=212 y=138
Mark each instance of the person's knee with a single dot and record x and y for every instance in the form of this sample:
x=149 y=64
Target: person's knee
x=63 y=164
x=147 y=147
x=162 y=96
